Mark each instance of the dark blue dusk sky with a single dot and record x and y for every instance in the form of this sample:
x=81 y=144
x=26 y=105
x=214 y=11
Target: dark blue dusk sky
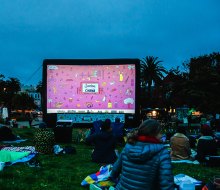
x=173 y=30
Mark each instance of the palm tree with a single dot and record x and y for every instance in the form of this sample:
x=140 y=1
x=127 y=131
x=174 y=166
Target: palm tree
x=152 y=72
x=13 y=85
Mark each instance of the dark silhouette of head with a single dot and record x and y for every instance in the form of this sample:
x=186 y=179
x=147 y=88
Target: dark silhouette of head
x=106 y=125
x=181 y=129
x=117 y=120
x=149 y=127
x=206 y=130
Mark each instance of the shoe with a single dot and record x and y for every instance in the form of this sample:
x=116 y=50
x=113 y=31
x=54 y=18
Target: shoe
x=94 y=187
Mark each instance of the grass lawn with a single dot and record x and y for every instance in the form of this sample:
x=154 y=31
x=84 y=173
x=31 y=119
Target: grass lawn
x=66 y=172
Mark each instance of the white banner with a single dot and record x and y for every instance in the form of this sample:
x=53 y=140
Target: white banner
x=90 y=88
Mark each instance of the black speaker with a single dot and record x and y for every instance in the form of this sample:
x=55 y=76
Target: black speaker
x=131 y=121
x=63 y=134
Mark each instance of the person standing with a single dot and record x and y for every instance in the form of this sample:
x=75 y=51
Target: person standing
x=30 y=118
x=144 y=163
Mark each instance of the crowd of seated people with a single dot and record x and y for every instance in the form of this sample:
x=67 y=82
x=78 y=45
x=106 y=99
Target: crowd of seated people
x=204 y=145
x=144 y=158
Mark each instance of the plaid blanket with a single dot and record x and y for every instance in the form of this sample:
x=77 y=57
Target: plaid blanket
x=102 y=175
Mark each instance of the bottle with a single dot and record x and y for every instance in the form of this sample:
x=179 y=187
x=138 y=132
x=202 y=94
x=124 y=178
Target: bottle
x=120 y=77
x=109 y=104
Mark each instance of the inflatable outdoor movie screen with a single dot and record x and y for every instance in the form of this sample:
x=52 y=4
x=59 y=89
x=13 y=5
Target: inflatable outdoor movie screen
x=90 y=86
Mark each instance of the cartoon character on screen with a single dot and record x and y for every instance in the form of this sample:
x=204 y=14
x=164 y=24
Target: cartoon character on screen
x=104 y=99
x=50 y=101
x=58 y=104
x=121 y=77
x=109 y=104
x=129 y=101
x=89 y=104
x=131 y=68
x=128 y=91
x=54 y=90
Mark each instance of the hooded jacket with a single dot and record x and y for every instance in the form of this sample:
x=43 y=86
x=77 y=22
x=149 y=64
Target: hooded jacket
x=104 y=150
x=180 y=147
x=143 y=166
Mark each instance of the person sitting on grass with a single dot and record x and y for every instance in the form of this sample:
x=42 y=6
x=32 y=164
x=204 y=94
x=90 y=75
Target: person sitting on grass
x=104 y=144
x=96 y=127
x=179 y=144
x=6 y=134
x=207 y=146
x=144 y=163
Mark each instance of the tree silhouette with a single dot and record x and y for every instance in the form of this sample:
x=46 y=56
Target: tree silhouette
x=23 y=101
x=151 y=72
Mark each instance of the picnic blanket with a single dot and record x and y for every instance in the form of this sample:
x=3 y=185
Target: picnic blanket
x=182 y=178
x=14 y=141
x=186 y=161
x=20 y=149
x=9 y=156
x=102 y=175
x=12 y=155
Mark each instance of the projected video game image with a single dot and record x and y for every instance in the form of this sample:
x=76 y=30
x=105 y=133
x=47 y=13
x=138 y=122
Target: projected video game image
x=91 y=88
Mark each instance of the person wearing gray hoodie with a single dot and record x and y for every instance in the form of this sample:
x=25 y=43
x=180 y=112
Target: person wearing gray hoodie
x=144 y=163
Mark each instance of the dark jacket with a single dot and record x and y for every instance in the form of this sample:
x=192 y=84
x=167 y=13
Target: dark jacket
x=207 y=146
x=6 y=134
x=104 y=150
x=143 y=166
x=118 y=131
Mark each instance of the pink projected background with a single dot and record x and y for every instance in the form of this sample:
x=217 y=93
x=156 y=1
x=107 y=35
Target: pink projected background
x=91 y=88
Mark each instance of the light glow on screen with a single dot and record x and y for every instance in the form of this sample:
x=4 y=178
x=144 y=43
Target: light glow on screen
x=91 y=88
